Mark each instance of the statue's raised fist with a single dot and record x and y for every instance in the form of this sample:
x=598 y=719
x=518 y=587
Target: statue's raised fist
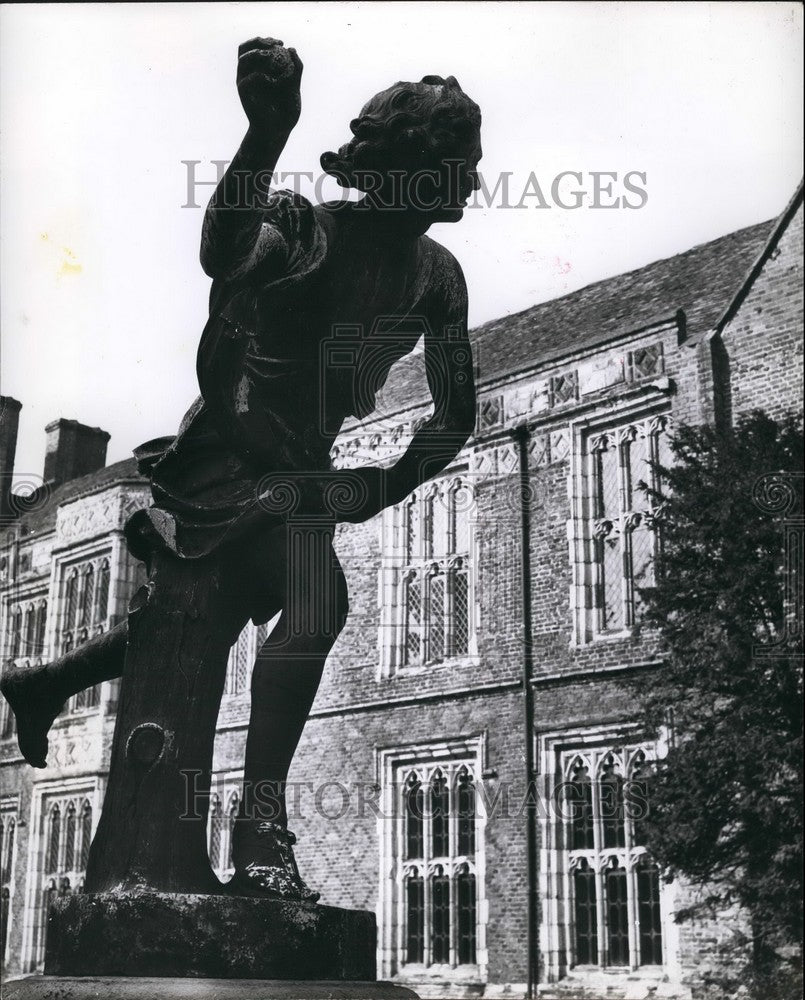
x=268 y=83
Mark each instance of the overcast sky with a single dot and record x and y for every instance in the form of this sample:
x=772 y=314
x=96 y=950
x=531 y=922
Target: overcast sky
x=103 y=299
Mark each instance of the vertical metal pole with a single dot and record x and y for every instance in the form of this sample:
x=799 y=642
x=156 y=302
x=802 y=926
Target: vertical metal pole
x=522 y=436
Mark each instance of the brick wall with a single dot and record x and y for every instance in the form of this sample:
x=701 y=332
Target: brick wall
x=764 y=340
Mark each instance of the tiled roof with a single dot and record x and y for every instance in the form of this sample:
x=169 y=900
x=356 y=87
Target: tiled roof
x=701 y=281
x=43 y=517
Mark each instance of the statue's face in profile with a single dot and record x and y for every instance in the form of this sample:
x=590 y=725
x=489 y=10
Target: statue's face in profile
x=435 y=189
x=457 y=179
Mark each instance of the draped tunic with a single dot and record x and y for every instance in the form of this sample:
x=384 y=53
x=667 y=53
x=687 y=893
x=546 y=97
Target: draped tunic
x=310 y=339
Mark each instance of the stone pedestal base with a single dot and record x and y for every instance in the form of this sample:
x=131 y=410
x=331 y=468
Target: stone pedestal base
x=152 y=934
x=117 y=988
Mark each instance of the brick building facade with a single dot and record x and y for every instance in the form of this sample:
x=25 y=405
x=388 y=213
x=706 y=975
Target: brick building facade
x=494 y=627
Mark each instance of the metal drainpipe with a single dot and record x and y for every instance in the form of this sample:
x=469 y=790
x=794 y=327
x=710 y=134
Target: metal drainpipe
x=522 y=435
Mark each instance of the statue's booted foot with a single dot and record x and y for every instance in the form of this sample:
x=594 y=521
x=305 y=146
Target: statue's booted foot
x=34 y=708
x=272 y=870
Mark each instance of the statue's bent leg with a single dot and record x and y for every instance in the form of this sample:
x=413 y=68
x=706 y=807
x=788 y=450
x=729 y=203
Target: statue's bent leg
x=286 y=677
x=37 y=694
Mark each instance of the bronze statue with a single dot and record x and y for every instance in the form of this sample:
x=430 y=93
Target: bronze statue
x=250 y=468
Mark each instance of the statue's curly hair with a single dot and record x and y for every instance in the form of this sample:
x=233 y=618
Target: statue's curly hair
x=409 y=126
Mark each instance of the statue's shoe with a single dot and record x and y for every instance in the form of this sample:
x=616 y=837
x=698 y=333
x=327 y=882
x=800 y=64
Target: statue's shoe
x=34 y=712
x=274 y=871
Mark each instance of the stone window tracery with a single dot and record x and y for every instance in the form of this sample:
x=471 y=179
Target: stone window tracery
x=24 y=644
x=85 y=613
x=8 y=831
x=426 y=577
x=607 y=910
x=615 y=540
x=436 y=874
x=65 y=828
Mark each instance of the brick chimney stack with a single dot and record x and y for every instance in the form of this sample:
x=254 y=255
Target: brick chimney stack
x=73 y=450
x=9 y=425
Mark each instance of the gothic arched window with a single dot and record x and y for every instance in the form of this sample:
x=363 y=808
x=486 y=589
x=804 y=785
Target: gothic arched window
x=614 y=918
x=435 y=873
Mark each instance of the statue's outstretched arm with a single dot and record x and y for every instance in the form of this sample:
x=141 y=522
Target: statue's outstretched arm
x=235 y=237
x=451 y=379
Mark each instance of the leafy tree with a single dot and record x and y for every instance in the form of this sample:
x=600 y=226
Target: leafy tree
x=726 y=804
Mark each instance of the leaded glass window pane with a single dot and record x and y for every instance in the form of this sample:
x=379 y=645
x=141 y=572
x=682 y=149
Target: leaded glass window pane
x=41 y=624
x=612 y=811
x=640 y=804
x=586 y=914
x=71 y=600
x=86 y=835
x=610 y=558
x=461 y=613
x=414 y=819
x=461 y=508
x=466 y=813
x=15 y=644
x=648 y=913
x=439 y=528
x=413 y=623
x=102 y=593
x=69 y=838
x=52 y=861
x=617 y=916
x=608 y=483
x=413 y=544
x=30 y=629
x=7 y=846
x=440 y=901
x=436 y=630
x=87 y=595
x=440 y=815
x=581 y=798
x=467 y=920
x=216 y=832
x=415 y=919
